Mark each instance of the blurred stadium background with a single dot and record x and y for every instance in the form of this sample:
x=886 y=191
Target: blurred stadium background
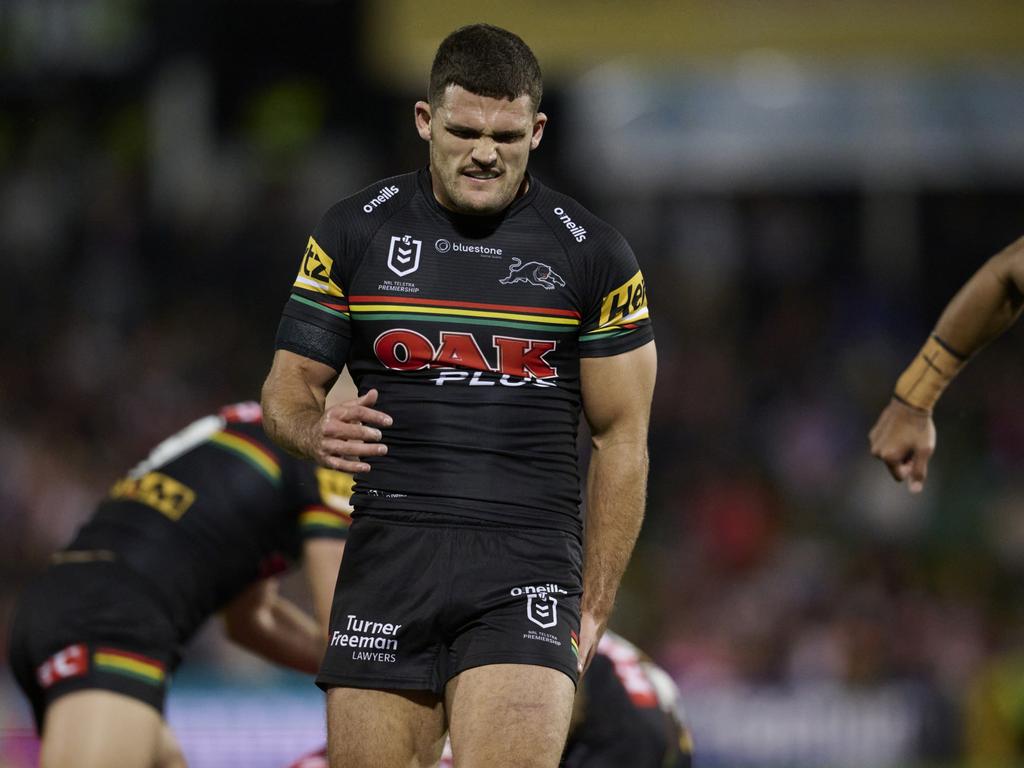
x=805 y=183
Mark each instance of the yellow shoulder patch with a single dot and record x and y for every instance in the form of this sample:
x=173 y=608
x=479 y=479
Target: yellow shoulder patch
x=335 y=488
x=315 y=272
x=626 y=304
x=154 y=489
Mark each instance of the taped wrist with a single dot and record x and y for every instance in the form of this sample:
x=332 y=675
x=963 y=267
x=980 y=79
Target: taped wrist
x=921 y=385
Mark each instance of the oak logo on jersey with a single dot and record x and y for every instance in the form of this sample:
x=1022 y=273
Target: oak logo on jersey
x=315 y=272
x=402 y=349
x=626 y=304
x=154 y=489
x=532 y=272
x=404 y=255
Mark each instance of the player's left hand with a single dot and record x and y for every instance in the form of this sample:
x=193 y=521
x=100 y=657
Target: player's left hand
x=904 y=439
x=591 y=629
x=349 y=433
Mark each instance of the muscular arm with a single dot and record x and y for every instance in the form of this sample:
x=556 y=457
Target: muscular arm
x=293 y=401
x=295 y=417
x=269 y=625
x=989 y=303
x=617 y=395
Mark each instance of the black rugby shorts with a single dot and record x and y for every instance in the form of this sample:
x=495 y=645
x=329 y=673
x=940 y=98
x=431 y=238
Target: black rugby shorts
x=83 y=626
x=416 y=604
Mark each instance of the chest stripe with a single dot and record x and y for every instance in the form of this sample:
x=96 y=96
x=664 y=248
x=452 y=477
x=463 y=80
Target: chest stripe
x=338 y=310
x=470 y=321
x=383 y=311
x=464 y=305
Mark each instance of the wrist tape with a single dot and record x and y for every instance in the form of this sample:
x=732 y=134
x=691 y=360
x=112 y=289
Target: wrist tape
x=921 y=385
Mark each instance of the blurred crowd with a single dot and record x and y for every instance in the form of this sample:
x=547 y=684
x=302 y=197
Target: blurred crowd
x=142 y=271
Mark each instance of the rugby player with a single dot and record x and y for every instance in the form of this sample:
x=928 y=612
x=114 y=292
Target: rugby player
x=627 y=712
x=989 y=303
x=199 y=526
x=477 y=310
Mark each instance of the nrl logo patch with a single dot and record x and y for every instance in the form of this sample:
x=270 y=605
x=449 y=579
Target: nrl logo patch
x=541 y=603
x=404 y=255
x=534 y=273
x=542 y=610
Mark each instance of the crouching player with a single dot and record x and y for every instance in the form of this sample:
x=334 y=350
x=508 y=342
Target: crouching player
x=199 y=526
x=626 y=713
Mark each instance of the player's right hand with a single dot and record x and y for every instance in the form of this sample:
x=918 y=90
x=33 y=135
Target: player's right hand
x=348 y=433
x=904 y=439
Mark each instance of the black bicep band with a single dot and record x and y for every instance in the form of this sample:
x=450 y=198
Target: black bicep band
x=312 y=341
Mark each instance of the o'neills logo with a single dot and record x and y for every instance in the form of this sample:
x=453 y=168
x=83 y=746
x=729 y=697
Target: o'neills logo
x=574 y=229
x=369 y=638
x=543 y=589
x=382 y=197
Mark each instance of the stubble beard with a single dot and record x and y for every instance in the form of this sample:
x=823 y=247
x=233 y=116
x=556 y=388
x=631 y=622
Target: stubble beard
x=461 y=202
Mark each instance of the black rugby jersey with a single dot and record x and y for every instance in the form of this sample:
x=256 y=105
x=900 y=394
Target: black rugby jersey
x=212 y=509
x=472 y=329
x=630 y=713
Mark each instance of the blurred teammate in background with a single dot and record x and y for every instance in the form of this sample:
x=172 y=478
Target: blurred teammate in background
x=988 y=304
x=201 y=525
x=627 y=712
x=477 y=310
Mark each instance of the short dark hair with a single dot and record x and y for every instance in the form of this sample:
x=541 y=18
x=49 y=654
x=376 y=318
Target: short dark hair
x=488 y=61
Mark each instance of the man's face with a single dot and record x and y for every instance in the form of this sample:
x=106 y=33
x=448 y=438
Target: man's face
x=478 y=148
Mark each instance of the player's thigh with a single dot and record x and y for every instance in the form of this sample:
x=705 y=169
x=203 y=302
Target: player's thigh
x=369 y=728
x=514 y=715
x=98 y=729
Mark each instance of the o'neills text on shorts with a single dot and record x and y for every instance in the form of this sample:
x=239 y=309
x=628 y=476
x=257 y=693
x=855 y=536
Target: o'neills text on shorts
x=370 y=640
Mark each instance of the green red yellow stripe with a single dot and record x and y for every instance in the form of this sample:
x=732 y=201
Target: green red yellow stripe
x=337 y=309
x=320 y=517
x=243 y=446
x=574 y=642
x=553 y=311
x=468 y=313
x=606 y=333
x=129 y=664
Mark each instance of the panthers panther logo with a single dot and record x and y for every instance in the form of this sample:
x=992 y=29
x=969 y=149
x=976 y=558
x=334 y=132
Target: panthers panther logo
x=534 y=273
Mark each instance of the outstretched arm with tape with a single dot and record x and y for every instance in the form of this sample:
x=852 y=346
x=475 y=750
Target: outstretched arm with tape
x=989 y=303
